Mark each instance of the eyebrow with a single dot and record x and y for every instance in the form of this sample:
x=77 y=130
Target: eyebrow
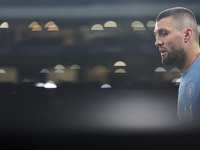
x=159 y=31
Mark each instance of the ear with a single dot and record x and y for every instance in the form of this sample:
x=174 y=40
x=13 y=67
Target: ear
x=188 y=34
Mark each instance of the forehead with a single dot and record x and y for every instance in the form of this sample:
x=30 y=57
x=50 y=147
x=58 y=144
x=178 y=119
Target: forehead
x=165 y=23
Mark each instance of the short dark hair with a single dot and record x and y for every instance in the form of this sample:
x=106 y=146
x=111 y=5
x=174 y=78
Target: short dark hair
x=183 y=16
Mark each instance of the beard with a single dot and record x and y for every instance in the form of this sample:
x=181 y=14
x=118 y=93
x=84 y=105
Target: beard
x=173 y=57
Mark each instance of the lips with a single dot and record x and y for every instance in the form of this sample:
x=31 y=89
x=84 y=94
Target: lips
x=163 y=52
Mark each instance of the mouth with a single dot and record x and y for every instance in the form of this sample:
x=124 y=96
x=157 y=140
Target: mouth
x=163 y=52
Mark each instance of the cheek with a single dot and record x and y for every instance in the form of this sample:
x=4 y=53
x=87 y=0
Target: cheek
x=175 y=44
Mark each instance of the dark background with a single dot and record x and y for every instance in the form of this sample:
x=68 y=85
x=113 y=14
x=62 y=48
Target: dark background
x=139 y=111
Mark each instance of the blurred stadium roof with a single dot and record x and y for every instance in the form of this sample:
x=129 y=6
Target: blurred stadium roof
x=86 y=2
x=76 y=9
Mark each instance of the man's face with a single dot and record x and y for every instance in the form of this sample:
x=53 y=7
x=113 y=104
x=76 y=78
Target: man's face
x=170 y=41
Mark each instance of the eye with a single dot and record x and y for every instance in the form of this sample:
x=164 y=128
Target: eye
x=164 y=34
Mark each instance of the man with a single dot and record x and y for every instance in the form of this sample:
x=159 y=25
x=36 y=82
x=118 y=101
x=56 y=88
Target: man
x=177 y=37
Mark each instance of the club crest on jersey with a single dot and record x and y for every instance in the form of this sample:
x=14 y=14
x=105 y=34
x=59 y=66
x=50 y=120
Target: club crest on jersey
x=190 y=90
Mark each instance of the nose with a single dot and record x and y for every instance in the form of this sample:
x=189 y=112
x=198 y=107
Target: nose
x=158 y=41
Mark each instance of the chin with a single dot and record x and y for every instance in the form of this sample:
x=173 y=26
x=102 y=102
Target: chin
x=166 y=62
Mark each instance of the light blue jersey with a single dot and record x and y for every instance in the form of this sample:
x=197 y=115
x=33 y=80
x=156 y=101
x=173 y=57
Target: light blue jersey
x=189 y=94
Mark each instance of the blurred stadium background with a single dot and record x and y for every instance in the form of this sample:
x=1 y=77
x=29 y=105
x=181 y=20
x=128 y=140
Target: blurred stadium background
x=77 y=68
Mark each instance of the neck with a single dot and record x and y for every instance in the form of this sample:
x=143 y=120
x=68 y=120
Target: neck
x=189 y=58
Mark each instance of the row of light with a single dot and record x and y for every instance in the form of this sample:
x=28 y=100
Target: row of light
x=75 y=66
x=136 y=25
x=120 y=70
x=161 y=69
x=50 y=25
x=36 y=27
x=52 y=85
x=60 y=68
